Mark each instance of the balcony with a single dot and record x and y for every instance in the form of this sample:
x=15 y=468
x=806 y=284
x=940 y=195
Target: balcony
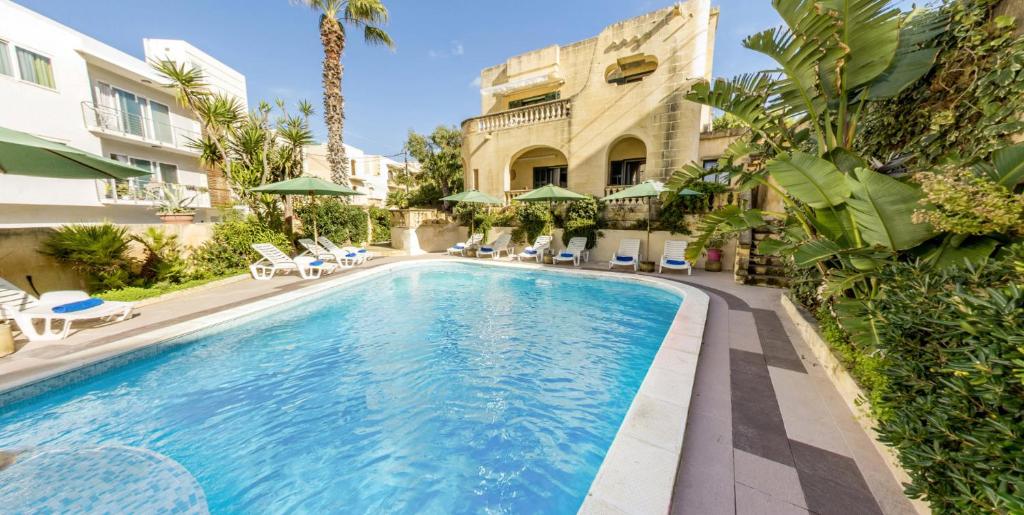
x=522 y=116
x=512 y=194
x=125 y=126
x=133 y=193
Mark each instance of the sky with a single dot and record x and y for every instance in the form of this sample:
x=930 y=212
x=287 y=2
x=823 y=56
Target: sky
x=428 y=80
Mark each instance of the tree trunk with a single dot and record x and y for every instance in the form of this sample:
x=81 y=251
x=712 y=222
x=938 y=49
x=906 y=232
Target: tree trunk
x=333 y=38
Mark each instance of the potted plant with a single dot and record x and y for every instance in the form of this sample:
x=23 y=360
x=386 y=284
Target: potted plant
x=173 y=206
x=6 y=339
x=714 y=253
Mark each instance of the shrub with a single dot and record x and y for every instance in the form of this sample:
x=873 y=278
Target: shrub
x=533 y=219
x=583 y=218
x=476 y=216
x=164 y=261
x=380 y=220
x=952 y=345
x=98 y=252
x=342 y=223
x=230 y=248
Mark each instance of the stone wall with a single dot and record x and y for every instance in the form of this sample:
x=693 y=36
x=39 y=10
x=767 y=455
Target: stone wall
x=20 y=258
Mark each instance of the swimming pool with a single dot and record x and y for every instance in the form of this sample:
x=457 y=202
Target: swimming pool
x=438 y=388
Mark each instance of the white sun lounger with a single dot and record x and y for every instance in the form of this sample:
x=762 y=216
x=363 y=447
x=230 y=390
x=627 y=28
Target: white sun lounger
x=496 y=247
x=347 y=256
x=318 y=252
x=536 y=251
x=460 y=248
x=273 y=260
x=27 y=311
x=574 y=251
x=674 y=257
x=627 y=255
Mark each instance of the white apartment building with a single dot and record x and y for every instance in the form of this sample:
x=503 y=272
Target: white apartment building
x=368 y=173
x=59 y=84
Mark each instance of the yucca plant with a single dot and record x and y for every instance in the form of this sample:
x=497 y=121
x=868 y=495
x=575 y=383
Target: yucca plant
x=98 y=252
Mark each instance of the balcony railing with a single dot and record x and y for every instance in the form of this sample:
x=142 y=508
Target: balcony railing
x=413 y=217
x=529 y=115
x=134 y=126
x=134 y=193
x=511 y=194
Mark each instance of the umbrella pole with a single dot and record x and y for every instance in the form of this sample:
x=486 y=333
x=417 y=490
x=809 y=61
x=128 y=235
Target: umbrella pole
x=648 y=249
x=316 y=215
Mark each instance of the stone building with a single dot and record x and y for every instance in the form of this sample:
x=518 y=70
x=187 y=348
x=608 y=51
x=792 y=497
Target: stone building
x=598 y=115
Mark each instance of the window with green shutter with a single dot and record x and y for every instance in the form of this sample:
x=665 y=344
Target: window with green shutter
x=35 y=68
x=5 y=59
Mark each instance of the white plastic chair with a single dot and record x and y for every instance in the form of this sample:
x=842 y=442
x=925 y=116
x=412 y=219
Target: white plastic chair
x=461 y=248
x=674 y=257
x=495 y=248
x=318 y=252
x=273 y=260
x=574 y=251
x=343 y=255
x=537 y=250
x=26 y=311
x=627 y=255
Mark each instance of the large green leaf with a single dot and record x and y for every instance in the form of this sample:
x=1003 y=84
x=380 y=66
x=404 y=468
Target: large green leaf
x=855 y=317
x=835 y=224
x=955 y=250
x=795 y=91
x=882 y=208
x=729 y=219
x=814 y=251
x=1009 y=165
x=743 y=97
x=915 y=55
x=810 y=179
x=867 y=31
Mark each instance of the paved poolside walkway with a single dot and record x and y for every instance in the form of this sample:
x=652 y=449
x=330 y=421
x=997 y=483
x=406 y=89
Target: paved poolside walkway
x=767 y=433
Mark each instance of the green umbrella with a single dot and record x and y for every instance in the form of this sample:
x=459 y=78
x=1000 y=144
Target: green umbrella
x=25 y=154
x=472 y=197
x=309 y=186
x=648 y=190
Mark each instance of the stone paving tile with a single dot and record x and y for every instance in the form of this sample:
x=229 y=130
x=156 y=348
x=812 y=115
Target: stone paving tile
x=756 y=420
x=743 y=332
x=779 y=481
x=750 y=501
x=778 y=350
x=832 y=483
x=804 y=413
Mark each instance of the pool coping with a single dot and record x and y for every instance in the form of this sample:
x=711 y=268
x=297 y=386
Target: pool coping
x=639 y=469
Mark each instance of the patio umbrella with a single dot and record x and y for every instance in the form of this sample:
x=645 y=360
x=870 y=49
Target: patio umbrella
x=472 y=197
x=648 y=190
x=25 y=154
x=309 y=186
x=550 y=194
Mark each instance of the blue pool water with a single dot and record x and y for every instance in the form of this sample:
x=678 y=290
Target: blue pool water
x=433 y=389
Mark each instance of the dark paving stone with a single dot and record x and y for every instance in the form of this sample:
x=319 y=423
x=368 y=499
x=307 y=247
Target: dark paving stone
x=831 y=482
x=735 y=303
x=778 y=349
x=757 y=425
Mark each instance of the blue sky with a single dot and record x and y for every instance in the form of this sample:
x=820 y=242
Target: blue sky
x=425 y=82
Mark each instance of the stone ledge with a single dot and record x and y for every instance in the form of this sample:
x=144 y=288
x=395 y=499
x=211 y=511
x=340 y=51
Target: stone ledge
x=848 y=389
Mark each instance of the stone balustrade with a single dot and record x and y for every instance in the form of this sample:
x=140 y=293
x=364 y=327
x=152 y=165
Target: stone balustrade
x=537 y=113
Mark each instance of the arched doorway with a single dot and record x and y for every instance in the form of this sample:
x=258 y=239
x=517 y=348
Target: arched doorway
x=627 y=162
x=536 y=167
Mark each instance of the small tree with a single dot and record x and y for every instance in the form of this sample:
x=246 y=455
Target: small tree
x=440 y=158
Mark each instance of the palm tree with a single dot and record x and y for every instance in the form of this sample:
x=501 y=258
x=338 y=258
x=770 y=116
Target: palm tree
x=367 y=15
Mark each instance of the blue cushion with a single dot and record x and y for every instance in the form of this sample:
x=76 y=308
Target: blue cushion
x=81 y=305
x=459 y=246
x=317 y=262
x=530 y=252
x=675 y=262
x=624 y=259
x=362 y=251
x=567 y=254
x=487 y=249
x=351 y=255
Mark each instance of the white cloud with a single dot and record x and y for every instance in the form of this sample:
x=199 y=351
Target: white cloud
x=456 y=49
x=475 y=83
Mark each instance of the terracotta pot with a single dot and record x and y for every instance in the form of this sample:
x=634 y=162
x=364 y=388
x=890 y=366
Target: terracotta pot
x=647 y=266
x=549 y=259
x=177 y=218
x=714 y=255
x=6 y=339
x=713 y=266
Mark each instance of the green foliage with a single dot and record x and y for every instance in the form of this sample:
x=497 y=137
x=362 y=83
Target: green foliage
x=477 y=216
x=962 y=202
x=341 y=223
x=440 y=157
x=952 y=342
x=137 y=293
x=583 y=218
x=230 y=247
x=532 y=220
x=865 y=366
x=164 y=262
x=968 y=106
x=98 y=252
x=725 y=122
x=380 y=220
x=675 y=209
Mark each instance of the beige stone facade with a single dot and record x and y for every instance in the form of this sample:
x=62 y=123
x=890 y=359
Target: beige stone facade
x=597 y=115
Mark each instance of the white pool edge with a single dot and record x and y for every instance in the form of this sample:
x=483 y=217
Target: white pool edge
x=639 y=470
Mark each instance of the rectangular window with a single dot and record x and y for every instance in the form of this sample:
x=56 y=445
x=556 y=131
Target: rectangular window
x=523 y=102
x=130 y=112
x=5 y=60
x=719 y=177
x=161 y=122
x=168 y=173
x=35 y=68
x=627 y=172
x=142 y=164
x=544 y=175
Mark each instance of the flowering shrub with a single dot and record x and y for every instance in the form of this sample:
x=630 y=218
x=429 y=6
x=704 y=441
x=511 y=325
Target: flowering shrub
x=965 y=203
